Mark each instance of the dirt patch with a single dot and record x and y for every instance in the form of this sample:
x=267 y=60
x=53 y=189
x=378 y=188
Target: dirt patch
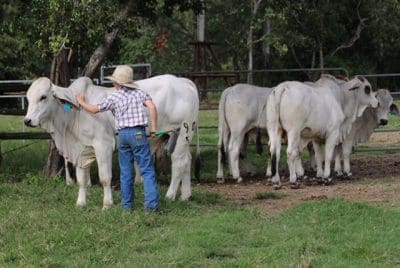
x=376 y=180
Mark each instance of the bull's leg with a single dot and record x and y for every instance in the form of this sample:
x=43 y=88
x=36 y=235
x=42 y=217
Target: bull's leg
x=246 y=167
x=104 y=163
x=292 y=156
x=275 y=152
x=186 y=183
x=299 y=165
x=105 y=180
x=338 y=161
x=68 y=176
x=82 y=176
x=180 y=162
x=268 y=172
x=220 y=171
x=346 y=152
x=329 y=147
x=234 y=149
x=311 y=153
x=318 y=159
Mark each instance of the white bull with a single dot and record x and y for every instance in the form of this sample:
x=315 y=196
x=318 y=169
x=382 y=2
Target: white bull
x=240 y=111
x=362 y=130
x=82 y=137
x=323 y=113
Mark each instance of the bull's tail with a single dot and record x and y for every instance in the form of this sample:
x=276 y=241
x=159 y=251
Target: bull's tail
x=223 y=129
x=274 y=126
x=195 y=128
x=259 y=147
x=197 y=163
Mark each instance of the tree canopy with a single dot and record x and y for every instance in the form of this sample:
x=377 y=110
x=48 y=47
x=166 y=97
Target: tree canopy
x=359 y=35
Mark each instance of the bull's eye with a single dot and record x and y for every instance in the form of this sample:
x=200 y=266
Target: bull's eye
x=43 y=98
x=367 y=90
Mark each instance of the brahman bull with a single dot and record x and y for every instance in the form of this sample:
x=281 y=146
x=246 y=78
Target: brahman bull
x=324 y=112
x=241 y=110
x=362 y=130
x=82 y=137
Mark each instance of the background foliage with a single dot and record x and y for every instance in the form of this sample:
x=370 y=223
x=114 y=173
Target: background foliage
x=302 y=34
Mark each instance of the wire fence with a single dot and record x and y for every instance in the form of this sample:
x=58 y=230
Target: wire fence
x=21 y=85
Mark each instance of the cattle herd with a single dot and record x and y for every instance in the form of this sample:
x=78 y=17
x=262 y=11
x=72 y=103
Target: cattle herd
x=331 y=114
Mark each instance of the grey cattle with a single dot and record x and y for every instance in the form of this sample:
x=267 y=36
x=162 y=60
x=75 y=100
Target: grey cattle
x=240 y=111
x=79 y=136
x=82 y=137
x=362 y=130
x=324 y=112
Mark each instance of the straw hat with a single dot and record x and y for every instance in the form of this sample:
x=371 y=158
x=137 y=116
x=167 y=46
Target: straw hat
x=123 y=75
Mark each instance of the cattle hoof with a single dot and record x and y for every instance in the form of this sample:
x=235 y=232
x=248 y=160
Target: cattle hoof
x=185 y=198
x=347 y=176
x=277 y=186
x=170 y=196
x=338 y=175
x=294 y=185
x=328 y=181
x=80 y=204
x=239 y=180
x=106 y=207
x=220 y=181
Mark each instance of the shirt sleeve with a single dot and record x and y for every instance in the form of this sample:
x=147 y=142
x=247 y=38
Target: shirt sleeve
x=106 y=104
x=145 y=96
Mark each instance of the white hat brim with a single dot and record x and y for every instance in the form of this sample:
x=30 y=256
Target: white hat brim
x=130 y=84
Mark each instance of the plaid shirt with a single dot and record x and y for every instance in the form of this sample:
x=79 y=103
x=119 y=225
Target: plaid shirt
x=127 y=106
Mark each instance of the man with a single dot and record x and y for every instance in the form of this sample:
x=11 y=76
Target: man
x=128 y=107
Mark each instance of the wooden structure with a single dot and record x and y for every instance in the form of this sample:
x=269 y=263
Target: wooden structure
x=202 y=50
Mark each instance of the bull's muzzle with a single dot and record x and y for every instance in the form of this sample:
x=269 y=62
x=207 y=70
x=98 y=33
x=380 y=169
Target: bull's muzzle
x=28 y=122
x=383 y=122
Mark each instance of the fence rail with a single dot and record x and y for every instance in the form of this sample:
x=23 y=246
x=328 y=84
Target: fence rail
x=21 y=85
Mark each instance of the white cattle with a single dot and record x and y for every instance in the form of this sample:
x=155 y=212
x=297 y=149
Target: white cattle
x=177 y=105
x=82 y=137
x=324 y=112
x=79 y=136
x=362 y=130
x=241 y=110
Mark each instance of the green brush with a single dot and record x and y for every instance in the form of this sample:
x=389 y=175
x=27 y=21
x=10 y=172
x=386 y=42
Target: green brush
x=161 y=133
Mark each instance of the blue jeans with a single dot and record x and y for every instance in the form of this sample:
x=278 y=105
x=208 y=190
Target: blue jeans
x=134 y=146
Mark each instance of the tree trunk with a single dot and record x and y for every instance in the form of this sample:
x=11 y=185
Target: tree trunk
x=59 y=75
x=266 y=50
x=255 y=4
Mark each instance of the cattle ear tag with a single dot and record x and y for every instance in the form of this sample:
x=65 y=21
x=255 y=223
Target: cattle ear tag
x=67 y=107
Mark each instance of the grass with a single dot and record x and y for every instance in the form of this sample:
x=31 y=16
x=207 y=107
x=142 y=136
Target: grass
x=40 y=226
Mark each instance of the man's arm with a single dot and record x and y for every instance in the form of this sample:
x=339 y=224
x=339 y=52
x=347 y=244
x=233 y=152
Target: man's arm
x=153 y=115
x=87 y=106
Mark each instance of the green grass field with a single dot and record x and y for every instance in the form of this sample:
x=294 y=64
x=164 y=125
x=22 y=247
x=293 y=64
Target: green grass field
x=41 y=226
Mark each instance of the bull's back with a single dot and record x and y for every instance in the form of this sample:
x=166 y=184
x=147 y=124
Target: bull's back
x=175 y=98
x=305 y=107
x=244 y=103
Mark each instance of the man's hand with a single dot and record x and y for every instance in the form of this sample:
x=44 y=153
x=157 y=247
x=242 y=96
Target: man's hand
x=86 y=106
x=153 y=133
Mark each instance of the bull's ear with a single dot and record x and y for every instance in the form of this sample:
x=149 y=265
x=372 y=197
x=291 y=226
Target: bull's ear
x=352 y=84
x=65 y=95
x=361 y=78
x=394 y=110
